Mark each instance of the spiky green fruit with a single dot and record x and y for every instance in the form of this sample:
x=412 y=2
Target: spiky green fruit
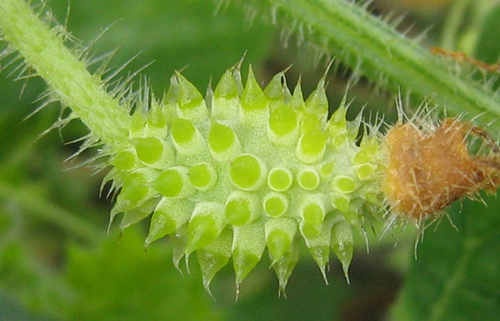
x=245 y=170
x=229 y=175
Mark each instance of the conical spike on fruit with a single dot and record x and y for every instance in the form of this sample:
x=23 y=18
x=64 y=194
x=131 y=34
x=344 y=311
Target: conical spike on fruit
x=342 y=243
x=215 y=256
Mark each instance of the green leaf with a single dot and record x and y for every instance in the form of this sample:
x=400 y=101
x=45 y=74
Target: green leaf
x=488 y=43
x=456 y=274
x=120 y=281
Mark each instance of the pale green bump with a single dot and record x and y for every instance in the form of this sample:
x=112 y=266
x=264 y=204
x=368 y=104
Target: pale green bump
x=297 y=100
x=134 y=191
x=254 y=110
x=248 y=246
x=275 y=91
x=275 y=204
x=319 y=246
x=226 y=101
x=316 y=106
x=137 y=122
x=169 y=103
x=279 y=179
x=312 y=219
x=338 y=123
x=370 y=144
x=353 y=127
x=156 y=118
x=215 y=256
x=368 y=150
x=202 y=176
x=372 y=197
x=168 y=216
x=327 y=169
x=191 y=103
x=149 y=150
x=280 y=233
x=179 y=241
x=221 y=137
x=189 y=96
x=226 y=87
x=312 y=213
x=253 y=98
x=337 y=127
x=241 y=208
x=238 y=211
x=174 y=182
x=308 y=179
x=183 y=131
x=161 y=225
x=342 y=203
x=342 y=242
x=223 y=143
x=132 y=216
x=284 y=266
x=352 y=217
x=137 y=214
x=311 y=146
x=337 y=142
x=361 y=157
x=365 y=171
x=134 y=188
x=283 y=126
x=278 y=243
x=186 y=138
x=149 y=123
x=206 y=223
x=317 y=101
x=247 y=172
x=343 y=184
x=124 y=160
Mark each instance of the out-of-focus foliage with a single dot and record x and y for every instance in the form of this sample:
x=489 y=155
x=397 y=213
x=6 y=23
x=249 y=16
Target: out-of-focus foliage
x=455 y=277
x=119 y=281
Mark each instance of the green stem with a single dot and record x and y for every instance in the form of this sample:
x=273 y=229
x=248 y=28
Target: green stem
x=374 y=49
x=43 y=49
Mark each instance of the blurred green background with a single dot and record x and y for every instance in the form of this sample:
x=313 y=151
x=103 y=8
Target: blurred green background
x=57 y=263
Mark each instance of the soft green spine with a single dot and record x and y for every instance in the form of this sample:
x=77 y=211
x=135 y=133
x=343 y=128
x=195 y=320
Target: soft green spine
x=248 y=170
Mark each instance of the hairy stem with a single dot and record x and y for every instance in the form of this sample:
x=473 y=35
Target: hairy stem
x=44 y=50
x=374 y=49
